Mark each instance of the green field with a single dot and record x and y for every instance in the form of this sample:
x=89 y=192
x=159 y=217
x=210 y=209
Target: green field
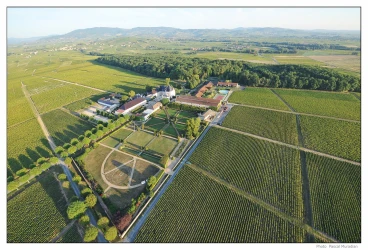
x=121 y=199
x=342 y=105
x=25 y=144
x=154 y=124
x=103 y=77
x=270 y=124
x=37 y=214
x=114 y=138
x=170 y=131
x=210 y=212
x=63 y=126
x=265 y=170
x=61 y=96
x=339 y=138
x=142 y=171
x=335 y=189
x=261 y=97
x=181 y=129
x=162 y=145
x=139 y=139
x=93 y=163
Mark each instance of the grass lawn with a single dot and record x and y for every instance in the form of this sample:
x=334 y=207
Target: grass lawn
x=163 y=145
x=114 y=139
x=63 y=126
x=154 y=124
x=115 y=160
x=93 y=163
x=121 y=199
x=186 y=115
x=181 y=129
x=139 y=139
x=160 y=114
x=121 y=175
x=155 y=159
x=142 y=171
x=172 y=112
x=170 y=131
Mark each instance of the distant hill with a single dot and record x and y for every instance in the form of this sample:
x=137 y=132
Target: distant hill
x=167 y=32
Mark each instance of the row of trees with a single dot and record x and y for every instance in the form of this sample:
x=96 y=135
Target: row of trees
x=194 y=70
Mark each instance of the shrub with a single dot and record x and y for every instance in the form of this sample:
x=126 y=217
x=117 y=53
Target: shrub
x=72 y=150
x=164 y=161
x=68 y=160
x=35 y=171
x=66 y=145
x=111 y=234
x=59 y=149
x=45 y=166
x=75 y=209
x=77 y=179
x=84 y=220
x=54 y=160
x=74 y=141
x=81 y=137
x=91 y=200
x=64 y=154
x=103 y=223
x=86 y=191
x=32 y=166
x=62 y=177
x=41 y=160
x=90 y=234
x=10 y=178
x=66 y=184
x=24 y=178
x=21 y=172
x=12 y=185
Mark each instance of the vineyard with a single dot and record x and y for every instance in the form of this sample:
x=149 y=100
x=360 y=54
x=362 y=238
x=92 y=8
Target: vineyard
x=261 y=97
x=61 y=96
x=104 y=77
x=37 y=214
x=266 y=170
x=335 y=189
x=72 y=236
x=270 y=124
x=26 y=143
x=322 y=103
x=339 y=138
x=210 y=212
x=63 y=126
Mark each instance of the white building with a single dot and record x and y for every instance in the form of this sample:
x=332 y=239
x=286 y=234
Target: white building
x=165 y=91
x=130 y=106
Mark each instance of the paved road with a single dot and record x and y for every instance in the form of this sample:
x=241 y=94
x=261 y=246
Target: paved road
x=296 y=113
x=290 y=146
x=135 y=229
x=66 y=170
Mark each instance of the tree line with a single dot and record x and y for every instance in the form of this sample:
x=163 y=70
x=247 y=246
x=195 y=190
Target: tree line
x=194 y=70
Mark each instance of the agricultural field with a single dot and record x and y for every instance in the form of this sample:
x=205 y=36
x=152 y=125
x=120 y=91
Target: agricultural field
x=233 y=56
x=25 y=144
x=63 y=126
x=83 y=103
x=268 y=171
x=61 y=96
x=72 y=236
x=278 y=126
x=210 y=212
x=335 y=189
x=114 y=139
x=335 y=137
x=38 y=213
x=341 y=105
x=261 y=97
x=162 y=145
x=347 y=62
x=103 y=77
x=297 y=60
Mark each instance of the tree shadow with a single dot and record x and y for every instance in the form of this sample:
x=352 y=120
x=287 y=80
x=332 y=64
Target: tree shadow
x=138 y=176
x=14 y=165
x=33 y=154
x=24 y=160
x=42 y=152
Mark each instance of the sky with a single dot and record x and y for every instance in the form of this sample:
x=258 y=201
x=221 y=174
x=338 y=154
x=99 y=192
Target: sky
x=33 y=22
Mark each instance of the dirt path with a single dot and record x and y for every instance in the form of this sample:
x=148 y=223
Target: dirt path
x=299 y=113
x=78 y=84
x=290 y=146
x=268 y=206
x=66 y=170
x=64 y=231
x=307 y=204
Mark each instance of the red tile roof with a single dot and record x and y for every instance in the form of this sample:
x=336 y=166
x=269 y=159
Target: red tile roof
x=198 y=100
x=130 y=104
